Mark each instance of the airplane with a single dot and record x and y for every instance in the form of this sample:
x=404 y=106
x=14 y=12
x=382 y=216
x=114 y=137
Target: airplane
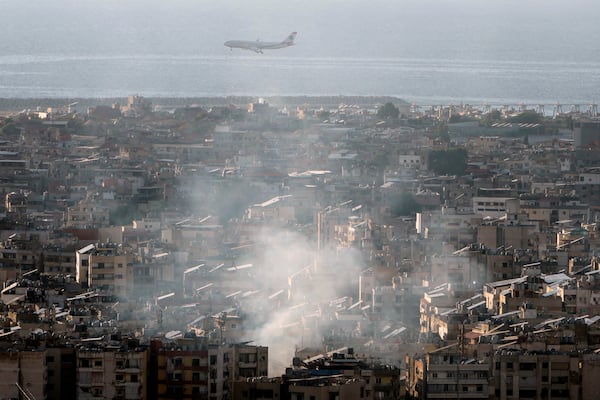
x=258 y=46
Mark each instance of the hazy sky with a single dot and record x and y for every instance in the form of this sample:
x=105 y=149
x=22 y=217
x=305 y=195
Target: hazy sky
x=406 y=28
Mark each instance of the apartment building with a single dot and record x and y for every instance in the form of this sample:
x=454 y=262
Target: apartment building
x=59 y=261
x=23 y=372
x=445 y=374
x=190 y=368
x=61 y=365
x=87 y=214
x=526 y=375
x=111 y=372
x=105 y=266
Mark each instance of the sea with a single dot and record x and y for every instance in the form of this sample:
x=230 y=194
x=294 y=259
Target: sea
x=425 y=52
x=422 y=81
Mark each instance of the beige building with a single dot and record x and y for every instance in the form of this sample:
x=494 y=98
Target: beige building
x=342 y=388
x=279 y=209
x=59 y=261
x=459 y=269
x=87 y=214
x=111 y=374
x=105 y=266
x=516 y=236
x=194 y=370
x=522 y=375
x=200 y=239
x=443 y=374
x=23 y=371
x=61 y=371
x=501 y=266
x=495 y=207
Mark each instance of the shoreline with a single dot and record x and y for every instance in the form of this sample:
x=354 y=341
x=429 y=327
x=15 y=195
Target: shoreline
x=18 y=104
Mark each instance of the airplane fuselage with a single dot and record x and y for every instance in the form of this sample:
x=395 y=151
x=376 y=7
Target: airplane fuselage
x=258 y=46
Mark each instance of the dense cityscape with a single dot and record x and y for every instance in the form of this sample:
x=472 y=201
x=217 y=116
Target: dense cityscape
x=298 y=248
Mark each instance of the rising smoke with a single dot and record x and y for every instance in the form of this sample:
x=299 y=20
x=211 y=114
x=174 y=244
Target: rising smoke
x=295 y=286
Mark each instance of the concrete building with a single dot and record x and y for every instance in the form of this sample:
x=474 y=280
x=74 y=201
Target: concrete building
x=445 y=374
x=586 y=133
x=111 y=373
x=495 y=207
x=192 y=369
x=105 y=266
x=87 y=214
x=23 y=372
x=61 y=365
x=527 y=375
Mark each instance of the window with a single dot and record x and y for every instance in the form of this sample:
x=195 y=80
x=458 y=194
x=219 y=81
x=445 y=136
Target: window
x=527 y=366
x=134 y=378
x=196 y=376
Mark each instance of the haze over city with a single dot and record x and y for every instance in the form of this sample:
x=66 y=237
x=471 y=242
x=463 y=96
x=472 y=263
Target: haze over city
x=299 y=200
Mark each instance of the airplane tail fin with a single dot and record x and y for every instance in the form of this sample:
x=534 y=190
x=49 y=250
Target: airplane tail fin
x=290 y=39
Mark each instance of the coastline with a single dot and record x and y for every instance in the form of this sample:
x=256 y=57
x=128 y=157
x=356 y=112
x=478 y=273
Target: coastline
x=18 y=104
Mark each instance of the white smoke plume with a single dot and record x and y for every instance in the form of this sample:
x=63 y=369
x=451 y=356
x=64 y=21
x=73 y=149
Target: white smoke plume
x=296 y=286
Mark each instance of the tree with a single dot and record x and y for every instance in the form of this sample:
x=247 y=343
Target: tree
x=527 y=117
x=388 y=111
x=448 y=162
x=323 y=115
x=404 y=204
x=10 y=129
x=491 y=118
